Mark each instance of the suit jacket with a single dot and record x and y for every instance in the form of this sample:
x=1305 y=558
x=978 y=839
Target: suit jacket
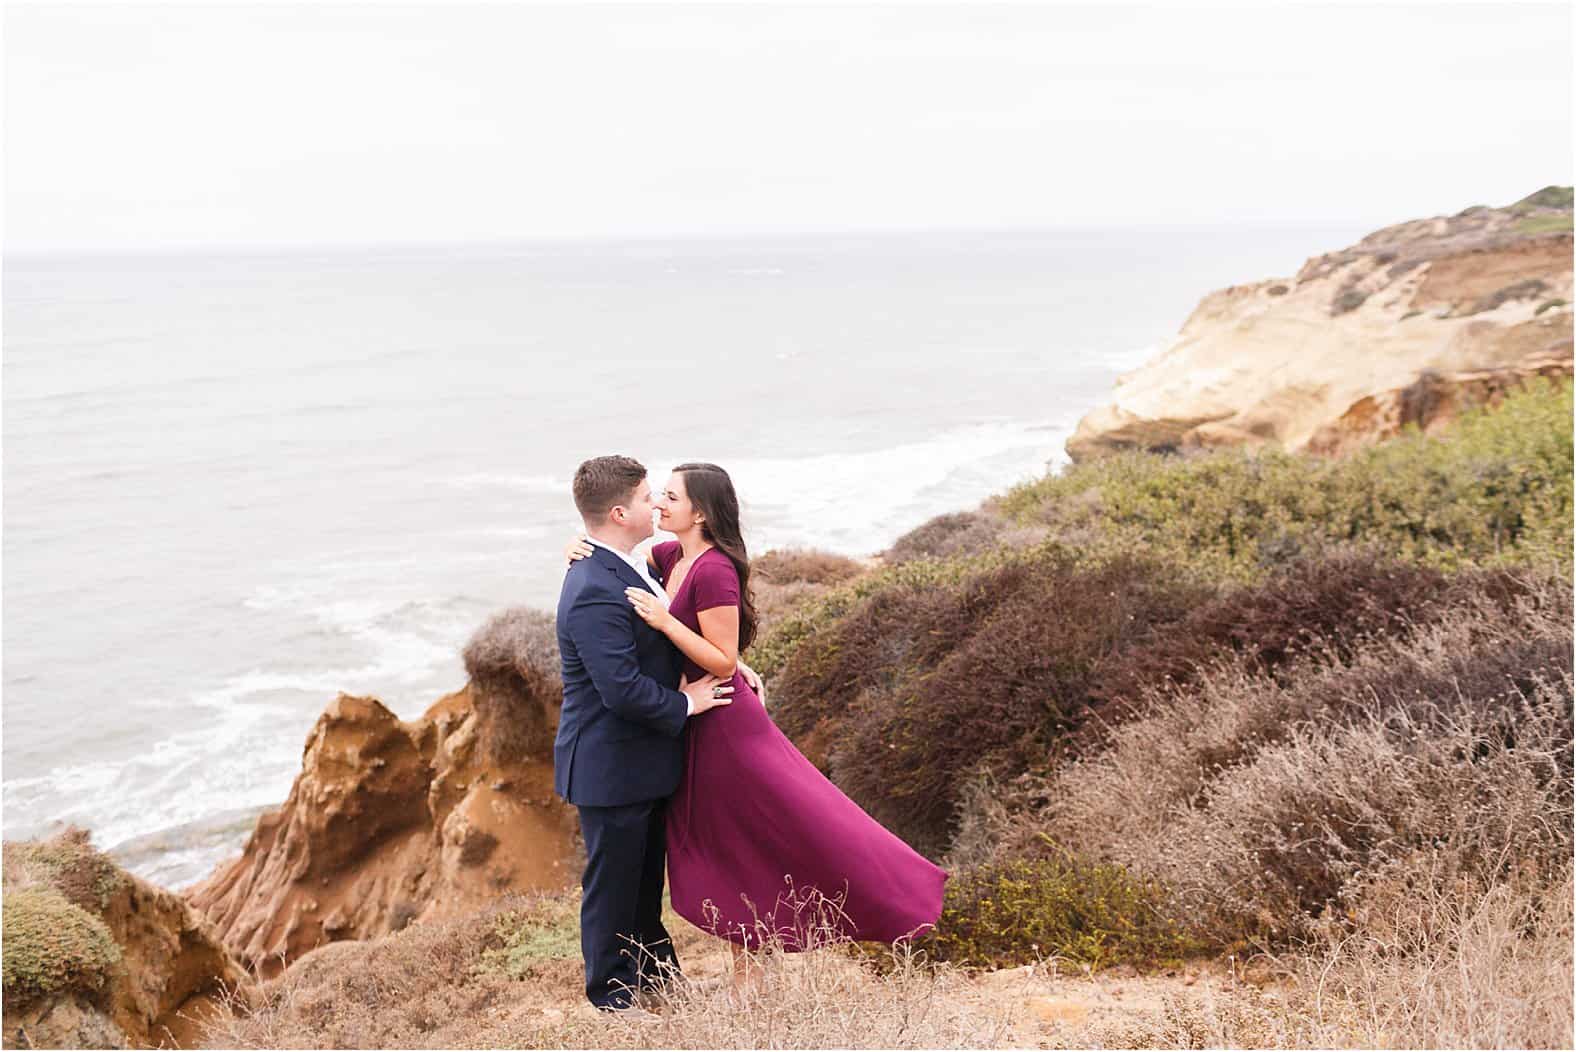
x=620 y=733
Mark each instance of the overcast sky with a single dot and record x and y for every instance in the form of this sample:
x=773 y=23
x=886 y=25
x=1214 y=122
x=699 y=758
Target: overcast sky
x=130 y=127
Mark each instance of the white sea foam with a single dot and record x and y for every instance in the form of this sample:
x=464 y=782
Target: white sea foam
x=244 y=749
x=860 y=502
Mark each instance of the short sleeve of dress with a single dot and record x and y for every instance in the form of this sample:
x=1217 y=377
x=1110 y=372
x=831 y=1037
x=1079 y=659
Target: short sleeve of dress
x=665 y=555
x=716 y=583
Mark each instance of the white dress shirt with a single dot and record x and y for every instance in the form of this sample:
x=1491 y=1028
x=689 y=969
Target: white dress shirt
x=638 y=564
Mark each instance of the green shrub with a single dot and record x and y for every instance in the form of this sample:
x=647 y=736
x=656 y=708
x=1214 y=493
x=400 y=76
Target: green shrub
x=1003 y=914
x=1494 y=489
x=1543 y=224
x=1548 y=197
x=542 y=929
x=1347 y=301
x=768 y=656
x=52 y=945
x=70 y=863
x=955 y=533
x=1548 y=305
x=1527 y=289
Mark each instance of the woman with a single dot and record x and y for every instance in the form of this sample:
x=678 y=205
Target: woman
x=759 y=842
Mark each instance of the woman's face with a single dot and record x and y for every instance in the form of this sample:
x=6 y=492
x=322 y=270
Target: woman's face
x=675 y=513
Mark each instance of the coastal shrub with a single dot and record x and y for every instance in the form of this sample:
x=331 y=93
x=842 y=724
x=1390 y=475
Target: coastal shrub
x=1334 y=599
x=1549 y=305
x=1347 y=300
x=1263 y=803
x=1527 y=289
x=1015 y=656
x=1543 y=224
x=421 y=987
x=770 y=654
x=955 y=533
x=70 y=864
x=1022 y=911
x=1023 y=648
x=1495 y=488
x=807 y=565
x=512 y=660
x=1557 y=197
x=52 y=946
x=540 y=929
x=1001 y=652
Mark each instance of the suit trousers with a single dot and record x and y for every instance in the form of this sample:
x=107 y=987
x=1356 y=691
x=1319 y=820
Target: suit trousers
x=625 y=946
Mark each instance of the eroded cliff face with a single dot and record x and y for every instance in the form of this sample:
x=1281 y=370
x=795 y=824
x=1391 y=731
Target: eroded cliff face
x=170 y=969
x=1330 y=360
x=393 y=822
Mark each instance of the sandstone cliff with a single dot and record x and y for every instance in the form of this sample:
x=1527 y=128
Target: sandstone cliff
x=1410 y=325
x=393 y=822
x=98 y=958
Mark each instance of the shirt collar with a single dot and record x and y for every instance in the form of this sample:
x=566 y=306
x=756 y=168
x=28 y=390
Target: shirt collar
x=635 y=561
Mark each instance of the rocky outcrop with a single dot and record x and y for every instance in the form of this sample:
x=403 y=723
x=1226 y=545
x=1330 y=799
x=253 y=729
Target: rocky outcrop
x=96 y=957
x=392 y=822
x=1467 y=303
x=1431 y=403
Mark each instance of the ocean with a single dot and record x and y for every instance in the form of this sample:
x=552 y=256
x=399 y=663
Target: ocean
x=238 y=483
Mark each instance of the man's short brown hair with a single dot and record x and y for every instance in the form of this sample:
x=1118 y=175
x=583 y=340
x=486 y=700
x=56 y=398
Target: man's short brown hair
x=603 y=483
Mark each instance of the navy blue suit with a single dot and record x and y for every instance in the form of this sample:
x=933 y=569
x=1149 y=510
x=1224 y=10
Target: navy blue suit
x=617 y=757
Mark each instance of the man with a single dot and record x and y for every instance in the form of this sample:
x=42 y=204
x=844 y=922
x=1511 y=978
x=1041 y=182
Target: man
x=619 y=750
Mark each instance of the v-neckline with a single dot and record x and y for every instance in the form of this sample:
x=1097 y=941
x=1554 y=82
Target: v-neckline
x=674 y=597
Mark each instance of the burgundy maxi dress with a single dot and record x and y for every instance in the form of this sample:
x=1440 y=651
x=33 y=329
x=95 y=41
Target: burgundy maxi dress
x=758 y=840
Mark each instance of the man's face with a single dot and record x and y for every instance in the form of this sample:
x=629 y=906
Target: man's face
x=639 y=511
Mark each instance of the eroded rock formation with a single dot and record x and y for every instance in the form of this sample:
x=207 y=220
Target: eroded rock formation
x=167 y=970
x=394 y=822
x=1466 y=304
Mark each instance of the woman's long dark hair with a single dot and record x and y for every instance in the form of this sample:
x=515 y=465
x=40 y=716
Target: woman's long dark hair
x=710 y=490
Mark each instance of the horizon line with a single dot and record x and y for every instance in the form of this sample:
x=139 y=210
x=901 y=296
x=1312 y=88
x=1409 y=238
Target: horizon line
x=564 y=240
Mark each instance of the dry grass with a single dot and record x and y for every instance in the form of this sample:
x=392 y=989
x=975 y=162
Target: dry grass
x=963 y=533
x=1485 y=967
x=513 y=663
x=805 y=565
x=827 y=997
x=1264 y=803
x=459 y=985
x=421 y=987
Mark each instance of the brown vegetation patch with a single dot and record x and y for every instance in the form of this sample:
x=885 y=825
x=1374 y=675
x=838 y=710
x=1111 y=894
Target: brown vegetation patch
x=1265 y=804
x=513 y=663
x=807 y=565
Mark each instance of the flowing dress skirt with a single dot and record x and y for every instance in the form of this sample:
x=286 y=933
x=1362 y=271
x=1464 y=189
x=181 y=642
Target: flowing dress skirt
x=759 y=841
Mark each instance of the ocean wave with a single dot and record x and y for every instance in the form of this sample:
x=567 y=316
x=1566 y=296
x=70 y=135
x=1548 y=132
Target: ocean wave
x=241 y=742
x=806 y=500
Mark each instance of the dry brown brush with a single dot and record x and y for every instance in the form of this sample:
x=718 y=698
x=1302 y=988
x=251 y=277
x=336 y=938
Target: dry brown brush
x=920 y=684
x=1269 y=805
x=512 y=661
